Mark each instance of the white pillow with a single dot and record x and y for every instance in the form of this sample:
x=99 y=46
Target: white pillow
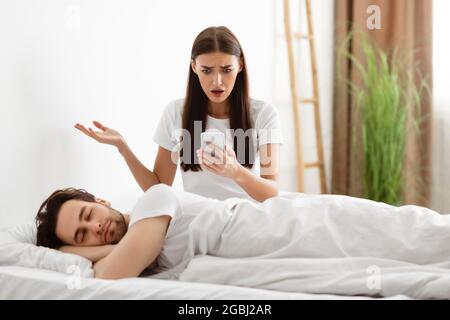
x=18 y=248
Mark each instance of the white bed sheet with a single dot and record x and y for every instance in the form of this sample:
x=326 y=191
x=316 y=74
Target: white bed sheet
x=27 y=283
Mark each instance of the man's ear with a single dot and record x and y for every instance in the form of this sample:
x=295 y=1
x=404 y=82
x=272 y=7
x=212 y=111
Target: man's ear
x=193 y=66
x=104 y=202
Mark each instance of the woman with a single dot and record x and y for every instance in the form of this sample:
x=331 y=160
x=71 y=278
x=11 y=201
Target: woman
x=217 y=99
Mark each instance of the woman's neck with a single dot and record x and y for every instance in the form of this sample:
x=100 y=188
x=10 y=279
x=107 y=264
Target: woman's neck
x=219 y=110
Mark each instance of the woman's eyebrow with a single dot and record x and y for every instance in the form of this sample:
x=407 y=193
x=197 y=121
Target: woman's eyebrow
x=227 y=66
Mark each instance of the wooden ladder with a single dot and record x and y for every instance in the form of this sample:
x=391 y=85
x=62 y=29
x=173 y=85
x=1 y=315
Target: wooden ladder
x=297 y=100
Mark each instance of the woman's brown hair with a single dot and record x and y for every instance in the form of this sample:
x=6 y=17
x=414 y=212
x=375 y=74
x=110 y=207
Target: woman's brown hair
x=215 y=39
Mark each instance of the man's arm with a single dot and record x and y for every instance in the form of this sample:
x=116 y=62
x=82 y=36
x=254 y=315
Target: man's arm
x=139 y=247
x=93 y=253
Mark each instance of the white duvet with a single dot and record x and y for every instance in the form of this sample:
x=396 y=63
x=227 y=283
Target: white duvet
x=322 y=244
x=294 y=244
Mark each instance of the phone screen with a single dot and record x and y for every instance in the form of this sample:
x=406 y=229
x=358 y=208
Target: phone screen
x=216 y=138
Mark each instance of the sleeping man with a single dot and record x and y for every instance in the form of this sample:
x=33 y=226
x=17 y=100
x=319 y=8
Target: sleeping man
x=167 y=228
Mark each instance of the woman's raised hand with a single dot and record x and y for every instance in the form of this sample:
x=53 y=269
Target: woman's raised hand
x=106 y=135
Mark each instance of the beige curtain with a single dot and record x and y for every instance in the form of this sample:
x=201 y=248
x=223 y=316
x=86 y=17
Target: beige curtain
x=406 y=24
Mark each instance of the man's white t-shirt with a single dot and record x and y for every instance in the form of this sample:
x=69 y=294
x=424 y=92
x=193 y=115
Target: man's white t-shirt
x=182 y=207
x=266 y=122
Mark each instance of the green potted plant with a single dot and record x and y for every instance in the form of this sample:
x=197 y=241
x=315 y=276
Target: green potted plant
x=385 y=96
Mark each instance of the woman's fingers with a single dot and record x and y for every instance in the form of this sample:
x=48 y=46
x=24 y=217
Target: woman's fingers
x=210 y=159
x=204 y=156
x=201 y=158
x=99 y=125
x=94 y=134
x=218 y=152
x=83 y=129
x=205 y=164
x=229 y=151
x=215 y=155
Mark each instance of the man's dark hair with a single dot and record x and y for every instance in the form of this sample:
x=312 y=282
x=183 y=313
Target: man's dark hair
x=47 y=215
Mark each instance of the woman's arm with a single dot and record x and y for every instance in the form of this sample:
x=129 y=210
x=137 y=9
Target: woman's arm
x=94 y=253
x=225 y=164
x=164 y=170
x=265 y=186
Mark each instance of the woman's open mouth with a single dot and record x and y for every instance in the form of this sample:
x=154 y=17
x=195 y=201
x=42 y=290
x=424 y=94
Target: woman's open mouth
x=217 y=93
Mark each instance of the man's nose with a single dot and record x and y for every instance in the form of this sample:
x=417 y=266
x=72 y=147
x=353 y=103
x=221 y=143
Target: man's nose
x=96 y=227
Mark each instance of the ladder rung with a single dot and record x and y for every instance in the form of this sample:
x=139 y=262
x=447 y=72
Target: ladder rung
x=313 y=165
x=299 y=35
x=313 y=100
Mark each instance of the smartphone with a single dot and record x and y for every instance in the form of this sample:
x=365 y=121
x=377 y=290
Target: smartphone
x=213 y=137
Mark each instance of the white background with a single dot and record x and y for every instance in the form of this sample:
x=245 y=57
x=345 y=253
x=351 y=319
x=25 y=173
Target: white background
x=121 y=62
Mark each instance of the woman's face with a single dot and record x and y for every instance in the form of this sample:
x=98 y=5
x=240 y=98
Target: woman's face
x=217 y=73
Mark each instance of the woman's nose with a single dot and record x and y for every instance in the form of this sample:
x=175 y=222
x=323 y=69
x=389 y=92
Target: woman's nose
x=217 y=79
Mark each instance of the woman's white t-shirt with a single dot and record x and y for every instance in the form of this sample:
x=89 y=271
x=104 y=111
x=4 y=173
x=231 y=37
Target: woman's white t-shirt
x=266 y=123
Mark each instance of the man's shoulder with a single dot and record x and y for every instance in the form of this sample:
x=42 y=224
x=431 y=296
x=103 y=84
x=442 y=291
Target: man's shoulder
x=160 y=188
x=159 y=199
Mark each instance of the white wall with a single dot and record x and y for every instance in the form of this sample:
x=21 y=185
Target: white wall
x=120 y=62
x=323 y=19
x=441 y=116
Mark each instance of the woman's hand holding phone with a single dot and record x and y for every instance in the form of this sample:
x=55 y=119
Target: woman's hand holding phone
x=106 y=135
x=222 y=162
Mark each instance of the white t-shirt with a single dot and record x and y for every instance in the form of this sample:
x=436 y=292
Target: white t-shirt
x=183 y=207
x=264 y=119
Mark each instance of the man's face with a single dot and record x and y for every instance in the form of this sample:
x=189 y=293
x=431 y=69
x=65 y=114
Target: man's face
x=82 y=223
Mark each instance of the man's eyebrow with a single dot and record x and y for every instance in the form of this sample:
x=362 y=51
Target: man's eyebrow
x=80 y=216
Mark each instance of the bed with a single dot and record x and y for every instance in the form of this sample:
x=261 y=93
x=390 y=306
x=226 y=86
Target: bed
x=28 y=283
x=31 y=272
x=346 y=249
